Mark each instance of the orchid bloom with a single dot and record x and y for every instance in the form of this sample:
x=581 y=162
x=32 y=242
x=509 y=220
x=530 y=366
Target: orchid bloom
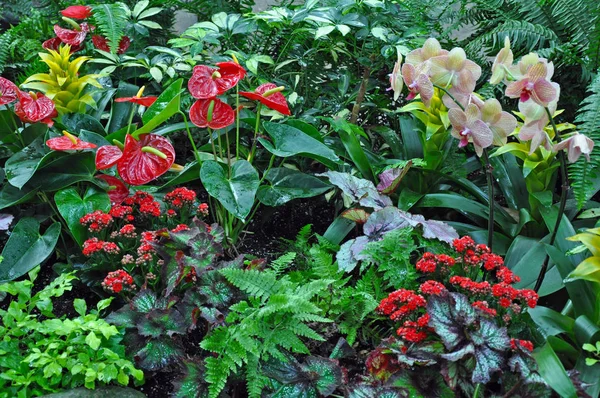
x=212 y=113
x=270 y=95
x=68 y=142
x=396 y=78
x=454 y=69
x=417 y=83
x=207 y=82
x=431 y=48
x=576 y=145
x=468 y=127
x=77 y=12
x=502 y=62
x=8 y=91
x=501 y=123
x=536 y=120
x=461 y=100
x=138 y=99
x=33 y=108
x=534 y=85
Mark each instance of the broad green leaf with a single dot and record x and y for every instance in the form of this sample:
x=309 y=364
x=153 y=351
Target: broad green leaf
x=552 y=370
x=72 y=207
x=165 y=106
x=588 y=269
x=21 y=166
x=237 y=192
x=93 y=341
x=522 y=253
x=11 y=196
x=63 y=171
x=120 y=111
x=27 y=248
x=550 y=322
x=75 y=122
x=324 y=31
x=287 y=184
x=289 y=141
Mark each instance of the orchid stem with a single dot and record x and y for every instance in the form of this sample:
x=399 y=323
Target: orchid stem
x=189 y=133
x=253 y=150
x=561 y=207
x=451 y=96
x=212 y=142
x=490 y=185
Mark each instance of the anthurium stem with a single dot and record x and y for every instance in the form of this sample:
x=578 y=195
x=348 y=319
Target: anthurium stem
x=237 y=122
x=489 y=174
x=561 y=207
x=251 y=155
x=212 y=142
x=133 y=106
x=118 y=144
x=189 y=134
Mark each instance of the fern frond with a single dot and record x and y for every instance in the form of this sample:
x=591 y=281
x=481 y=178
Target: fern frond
x=283 y=262
x=217 y=372
x=260 y=284
x=111 y=21
x=584 y=174
x=5 y=40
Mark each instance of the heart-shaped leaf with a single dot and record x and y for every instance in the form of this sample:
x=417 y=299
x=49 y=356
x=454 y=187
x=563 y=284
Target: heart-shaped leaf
x=287 y=184
x=27 y=248
x=235 y=193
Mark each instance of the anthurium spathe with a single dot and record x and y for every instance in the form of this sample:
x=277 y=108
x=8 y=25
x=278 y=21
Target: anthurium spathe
x=270 y=95
x=107 y=156
x=454 y=70
x=72 y=37
x=212 y=113
x=8 y=91
x=576 y=145
x=138 y=99
x=207 y=82
x=501 y=123
x=534 y=85
x=77 y=12
x=117 y=190
x=145 y=159
x=68 y=142
x=35 y=107
x=502 y=62
x=417 y=82
x=467 y=126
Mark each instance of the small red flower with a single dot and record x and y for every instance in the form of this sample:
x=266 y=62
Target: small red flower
x=432 y=287
x=207 y=82
x=143 y=101
x=107 y=156
x=526 y=344
x=77 y=12
x=146 y=159
x=117 y=191
x=180 y=227
x=68 y=142
x=8 y=91
x=96 y=221
x=463 y=244
x=203 y=209
x=221 y=117
x=118 y=281
x=33 y=108
x=484 y=306
x=101 y=43
x=266 y=94
x=180 y=197
x=73 y=37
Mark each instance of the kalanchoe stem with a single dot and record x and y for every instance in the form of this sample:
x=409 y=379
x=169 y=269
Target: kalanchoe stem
x=154 y=151
x=489 y=169
x=563 y=201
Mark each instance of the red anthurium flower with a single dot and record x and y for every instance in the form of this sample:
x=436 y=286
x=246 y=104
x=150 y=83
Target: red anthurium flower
x=207 y=82
x=8 y=91
x=269 y=95
x=54 y=44
x=101 y=43
x=220 y=116
x=146 y=159
x=107 y=156
x=73 y=37
x=68 y=142
x=77 y=12
x=117 y=191
x=138 y=99
x=33 y=108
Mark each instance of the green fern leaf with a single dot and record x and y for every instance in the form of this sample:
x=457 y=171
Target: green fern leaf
x=260 y=284
x=111 y=21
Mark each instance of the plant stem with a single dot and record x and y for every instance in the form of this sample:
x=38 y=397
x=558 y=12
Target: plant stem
x=228 y=155
x=451 y=96
x=561 y=207
x=253 y=150
x=237 y=122
x=133 y=106
x=489 y=169
x=220 y=144
x=189 y=133
x=476 y=392
x=212 y=142
x=360 y=96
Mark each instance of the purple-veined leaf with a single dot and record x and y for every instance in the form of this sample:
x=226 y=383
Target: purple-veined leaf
x=358 y=190
x=359 y=216
x=391 y=178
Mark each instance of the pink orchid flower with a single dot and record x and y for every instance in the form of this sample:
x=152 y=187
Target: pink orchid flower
x=534 y=85
x=417 y=83
x=502 y=62
x=533 y=128
x=461 y=100
x=454 y=69
x=576 y=145
x=501 y=123
x=396 y=83
x=431 y=48
x=468 y=127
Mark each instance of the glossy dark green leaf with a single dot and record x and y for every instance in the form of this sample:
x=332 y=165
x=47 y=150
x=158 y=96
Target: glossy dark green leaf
x=409 y=131
x=338 y=230
x=356 y=153
x=72 y=207
x=65 y=170
x=11 y=196
x=550 y=322
x=120 y=111
x=190 y=172
x=306 y=128
x=287 y=184
x=329 y=372
x=21 y=166
x=289 y=141
x=193 y=383
x=75 y=122
x=94 y=138
x=552 y=370
x=159 y=353
x=8 y=125
x=235 y=193
x=34 y=131
x=165 y=106
x=524 y=252
x=27 y=248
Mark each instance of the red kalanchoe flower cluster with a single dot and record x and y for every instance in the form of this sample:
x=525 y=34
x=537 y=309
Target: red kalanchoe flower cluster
x=117 y=281
x=463 y=244
x=529 y=296
x=94 y=245
x=526 y=344
x=180 y=227
x=506 y=275
x=430 y=263
x=122 y=212
x=180 y=197
x=171 y=213
x=150 y=208
x=492 y=261
x=484 y=306
x=96 y=221
x=470 y=285
x=400 y=306
x=128 y=231
x=432 y=287
x=203 y=209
